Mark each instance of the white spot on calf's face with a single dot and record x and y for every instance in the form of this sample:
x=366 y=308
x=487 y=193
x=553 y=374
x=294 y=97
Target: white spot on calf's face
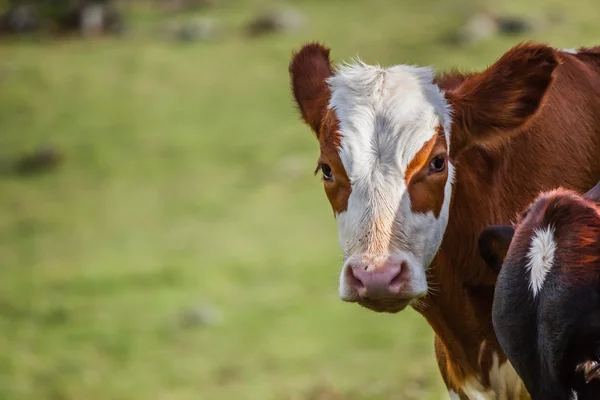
x=540 y=257
x=386 y=116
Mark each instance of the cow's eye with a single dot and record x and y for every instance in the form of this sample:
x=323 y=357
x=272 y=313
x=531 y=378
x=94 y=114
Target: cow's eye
x=326 y=170
x=438 y=164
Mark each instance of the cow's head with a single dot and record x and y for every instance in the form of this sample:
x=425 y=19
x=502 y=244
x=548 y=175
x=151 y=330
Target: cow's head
x=387 y=138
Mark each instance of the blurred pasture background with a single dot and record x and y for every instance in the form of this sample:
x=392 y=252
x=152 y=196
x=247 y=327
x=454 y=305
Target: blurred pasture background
x=162 y=235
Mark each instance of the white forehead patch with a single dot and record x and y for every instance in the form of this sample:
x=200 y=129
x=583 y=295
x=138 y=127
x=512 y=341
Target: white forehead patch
x=540 y=257
x=386 y=115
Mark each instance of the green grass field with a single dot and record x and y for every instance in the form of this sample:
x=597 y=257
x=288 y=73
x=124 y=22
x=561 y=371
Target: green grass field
x=188 y=181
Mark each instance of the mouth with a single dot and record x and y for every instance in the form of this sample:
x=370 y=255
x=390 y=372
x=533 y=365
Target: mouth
x=390 y=306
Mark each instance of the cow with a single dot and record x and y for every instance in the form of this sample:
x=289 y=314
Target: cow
x=416 y=164
x=546 y=309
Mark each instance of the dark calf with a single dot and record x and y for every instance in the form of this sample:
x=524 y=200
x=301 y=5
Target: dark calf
x=546 y=310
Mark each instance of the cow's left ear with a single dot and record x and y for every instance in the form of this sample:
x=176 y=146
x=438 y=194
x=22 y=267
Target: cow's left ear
x=490 y=106
x=593 y=194
x=493 y=245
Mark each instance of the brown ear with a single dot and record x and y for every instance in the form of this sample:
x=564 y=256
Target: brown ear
x=489 y=106
x=493 y=245
x=309 y=68
x=593 y=194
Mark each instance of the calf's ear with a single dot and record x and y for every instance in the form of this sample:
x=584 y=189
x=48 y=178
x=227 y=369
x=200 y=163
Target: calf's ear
x=493 y=245
x=309 y=69
x=491 y=106
x=593 y=194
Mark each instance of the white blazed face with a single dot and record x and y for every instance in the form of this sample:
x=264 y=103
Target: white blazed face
x=384 y=136
x=394 y=128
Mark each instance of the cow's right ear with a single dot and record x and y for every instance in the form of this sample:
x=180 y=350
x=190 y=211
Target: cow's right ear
x=309 y=69
x=493 y=245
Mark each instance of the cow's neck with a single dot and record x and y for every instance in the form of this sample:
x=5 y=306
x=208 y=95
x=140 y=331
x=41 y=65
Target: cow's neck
x=460 y=315
x=459 y=306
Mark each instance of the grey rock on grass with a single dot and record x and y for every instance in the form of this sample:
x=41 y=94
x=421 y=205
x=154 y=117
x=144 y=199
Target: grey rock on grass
x=202 y=314
x=285 y=20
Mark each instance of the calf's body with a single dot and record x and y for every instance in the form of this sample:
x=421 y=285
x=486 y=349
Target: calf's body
x=415 y=165
x=546 y=310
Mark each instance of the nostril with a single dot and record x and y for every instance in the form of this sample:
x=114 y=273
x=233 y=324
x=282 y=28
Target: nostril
x=353 y=280
x=398 y=277
x=396 y=280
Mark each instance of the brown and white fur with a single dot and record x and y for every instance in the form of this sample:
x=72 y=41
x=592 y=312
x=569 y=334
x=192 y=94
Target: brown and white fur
x=416 y=165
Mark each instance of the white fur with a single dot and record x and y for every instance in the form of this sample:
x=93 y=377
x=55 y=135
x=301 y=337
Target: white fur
x=540 y=257
x=570 y=51
x=386 y=115
x=505 y=381
x=474 y=390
